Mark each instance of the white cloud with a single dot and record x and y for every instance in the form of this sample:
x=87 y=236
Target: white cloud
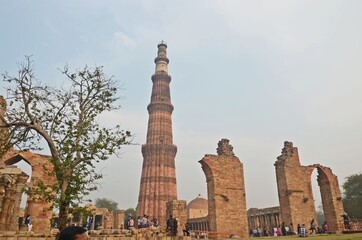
x=124 y=40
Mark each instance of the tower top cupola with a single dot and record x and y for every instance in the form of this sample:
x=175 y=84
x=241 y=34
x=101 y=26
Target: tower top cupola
x=161 y=60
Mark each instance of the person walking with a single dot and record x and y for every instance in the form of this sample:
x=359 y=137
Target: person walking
x=312 y=227
x=28 y=223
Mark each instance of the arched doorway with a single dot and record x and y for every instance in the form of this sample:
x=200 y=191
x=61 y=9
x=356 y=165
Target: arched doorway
x=39 y=211
x=330 y=195
x=295 y=190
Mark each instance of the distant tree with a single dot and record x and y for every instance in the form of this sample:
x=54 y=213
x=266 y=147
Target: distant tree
x=320 y=215
x=106 y=203
x=67 y=120
x=352 y=196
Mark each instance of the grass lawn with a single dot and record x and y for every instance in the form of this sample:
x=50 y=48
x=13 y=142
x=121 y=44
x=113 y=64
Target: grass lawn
x=354 y=236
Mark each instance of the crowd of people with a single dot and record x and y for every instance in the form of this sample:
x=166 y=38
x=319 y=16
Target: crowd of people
x=142 y=222
x=288 y=230
x=80 y=233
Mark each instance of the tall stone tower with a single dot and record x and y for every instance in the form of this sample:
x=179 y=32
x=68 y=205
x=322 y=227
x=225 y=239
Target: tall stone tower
x=158 y=180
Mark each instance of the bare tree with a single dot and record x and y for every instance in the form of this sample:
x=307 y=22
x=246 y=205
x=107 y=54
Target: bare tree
x=67 y=119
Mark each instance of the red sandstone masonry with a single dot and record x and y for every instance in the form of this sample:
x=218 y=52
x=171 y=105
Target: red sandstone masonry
x=226 y=191
x=158 y=179
x=295 y=190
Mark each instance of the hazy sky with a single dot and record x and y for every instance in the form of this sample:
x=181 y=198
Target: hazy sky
x=255 y=72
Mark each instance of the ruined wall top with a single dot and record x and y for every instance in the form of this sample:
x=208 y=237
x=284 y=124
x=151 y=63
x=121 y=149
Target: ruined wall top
x=287 y=151
x=224 y=148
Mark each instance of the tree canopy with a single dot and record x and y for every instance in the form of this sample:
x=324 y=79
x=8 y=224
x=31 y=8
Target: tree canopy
x=352 y=197
x=106 y=203
x=67 y=119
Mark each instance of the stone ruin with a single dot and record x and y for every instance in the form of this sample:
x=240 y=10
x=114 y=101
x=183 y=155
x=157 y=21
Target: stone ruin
x=225 y=186
x=39 y=210
x=226 y=191
x=295 y=190
x=12 y=182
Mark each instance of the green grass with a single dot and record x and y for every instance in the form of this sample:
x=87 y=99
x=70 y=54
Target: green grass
x=355 y=236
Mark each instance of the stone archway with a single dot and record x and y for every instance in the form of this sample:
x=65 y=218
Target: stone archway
x=295 y=190
x=330 y=193
x=226 y=191
x=39 y=211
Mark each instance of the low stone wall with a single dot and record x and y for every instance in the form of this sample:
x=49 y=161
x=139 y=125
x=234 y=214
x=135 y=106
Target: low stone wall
x=107 y=234
x=100 y=237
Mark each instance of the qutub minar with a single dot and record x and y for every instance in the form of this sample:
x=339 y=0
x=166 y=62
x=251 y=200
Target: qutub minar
x=158 y=179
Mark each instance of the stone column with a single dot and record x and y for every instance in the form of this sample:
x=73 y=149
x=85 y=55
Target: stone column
x=6 y=204
x=2 y=188
x=10 y=210
x=21 y=181
x=4 y=208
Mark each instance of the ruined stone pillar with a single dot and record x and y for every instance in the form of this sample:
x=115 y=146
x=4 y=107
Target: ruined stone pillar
x=177 y=208
x=21 y=181
x=11 y=206
x=295 y=196
x=6 y=205
x=226 y=191
x=119 y=219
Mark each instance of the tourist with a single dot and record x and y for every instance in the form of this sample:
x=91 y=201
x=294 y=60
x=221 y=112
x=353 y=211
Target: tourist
x=284 y=230
x=303 y=231
x=312 y=227
x=28 y=223
x=290 y=230
x=187 y=229
x=177 y=224
x=154 y=222
x=279 y=231
x=139 y=222
x=73 y=233
x=259 y=232
x=298 y=229
x=130 y=223
x=255 y=232
x=171 y=226
x=275 y=231
x=346 y=221
x=325 y=227
x=89 y=222
x=144 y=221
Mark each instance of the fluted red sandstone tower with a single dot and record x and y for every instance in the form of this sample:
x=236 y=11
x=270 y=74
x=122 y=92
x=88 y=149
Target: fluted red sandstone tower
x=158 y=180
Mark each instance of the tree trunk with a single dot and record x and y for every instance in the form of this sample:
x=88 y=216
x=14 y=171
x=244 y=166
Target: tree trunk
x=63 y=215
x=64 y=204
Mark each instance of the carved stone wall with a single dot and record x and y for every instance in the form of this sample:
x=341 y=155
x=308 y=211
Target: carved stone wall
x=226 y=191
x=264 y=218
x=12 y=182
x=295 y=190
x=39 y=211
x=119 y=219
